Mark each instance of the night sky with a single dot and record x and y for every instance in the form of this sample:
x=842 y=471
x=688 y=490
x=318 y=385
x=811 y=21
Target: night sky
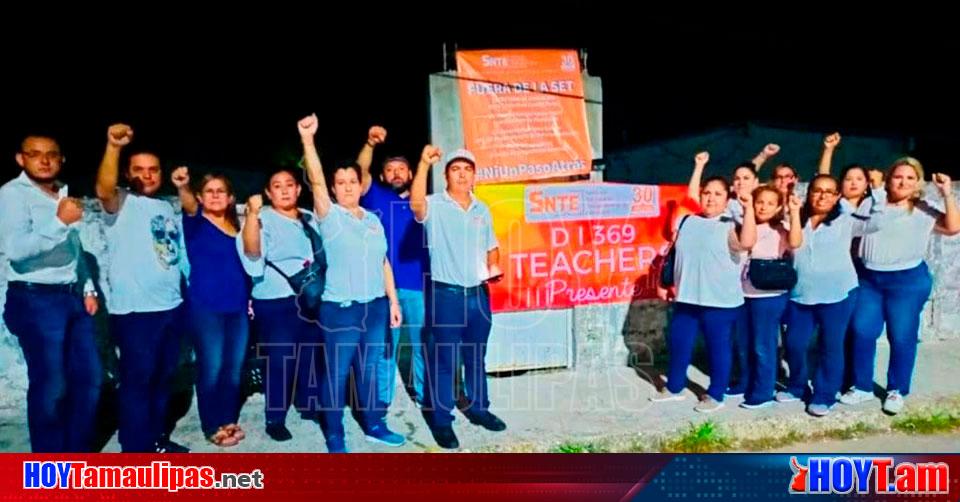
x=228 y=93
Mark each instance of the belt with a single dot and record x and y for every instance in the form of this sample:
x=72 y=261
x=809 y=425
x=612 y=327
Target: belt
x=465 y=291
x=43 y=288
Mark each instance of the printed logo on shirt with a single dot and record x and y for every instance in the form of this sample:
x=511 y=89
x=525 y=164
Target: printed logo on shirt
x=166 y=240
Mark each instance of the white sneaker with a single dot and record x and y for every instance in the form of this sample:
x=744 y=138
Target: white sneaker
x=748 y=406
x=786 y=397
x=665 y=395
x=708 y=405
x=819 y=410
x=856 y=396
x=894 y=402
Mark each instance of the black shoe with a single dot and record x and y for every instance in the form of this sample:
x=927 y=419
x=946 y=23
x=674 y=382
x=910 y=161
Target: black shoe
x=445 y=437
x=164 y=445
x=487 y=420
x=279 y=432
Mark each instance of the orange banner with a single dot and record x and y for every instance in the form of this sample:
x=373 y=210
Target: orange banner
x=523 y=114
x=563 y=245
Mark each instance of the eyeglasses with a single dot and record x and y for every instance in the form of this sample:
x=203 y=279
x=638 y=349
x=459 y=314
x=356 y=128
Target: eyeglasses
x=53 y=156
x=820 y=192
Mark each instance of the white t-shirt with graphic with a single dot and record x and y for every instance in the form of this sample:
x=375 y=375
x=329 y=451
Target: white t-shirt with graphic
x=145 y=242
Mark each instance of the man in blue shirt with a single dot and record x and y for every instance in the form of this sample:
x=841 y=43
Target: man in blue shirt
x=389 y=198
x=44 y=307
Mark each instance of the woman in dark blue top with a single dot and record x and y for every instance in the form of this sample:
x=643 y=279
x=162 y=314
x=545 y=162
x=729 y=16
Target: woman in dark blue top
x=218 y=293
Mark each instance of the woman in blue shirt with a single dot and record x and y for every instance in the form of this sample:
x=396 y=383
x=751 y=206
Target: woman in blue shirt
x=218 y=293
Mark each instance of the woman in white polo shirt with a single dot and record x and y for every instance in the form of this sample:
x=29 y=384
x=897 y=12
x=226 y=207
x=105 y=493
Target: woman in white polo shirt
x=359 y=298
x=895 y=282
x=708 y=293
x=824 y=296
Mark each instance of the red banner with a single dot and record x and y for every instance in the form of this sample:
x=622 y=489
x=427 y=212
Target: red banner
x=312 y=477
x=523 y=114
x=563 y=245
x=501 y=477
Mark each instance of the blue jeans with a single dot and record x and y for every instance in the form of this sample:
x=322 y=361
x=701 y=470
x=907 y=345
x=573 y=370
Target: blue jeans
x=291 y=347
x=717 y=325
x=895 y=299
x=742 y=368
x=763 y=326
x=832 y=319
x=63 y=367
x=354 y=338
x=220 y=341
x=408 y=338
x=460 y=327
x=149 y=344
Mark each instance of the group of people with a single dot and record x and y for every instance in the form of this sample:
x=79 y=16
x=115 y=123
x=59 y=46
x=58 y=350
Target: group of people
x=206 y=273
x=395 y=264
x=758 y=270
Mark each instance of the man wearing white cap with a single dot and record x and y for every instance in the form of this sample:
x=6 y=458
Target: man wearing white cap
x=463 y=258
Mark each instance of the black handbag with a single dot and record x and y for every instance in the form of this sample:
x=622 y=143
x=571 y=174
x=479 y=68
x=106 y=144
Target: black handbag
x=309 y=282
x=772 y=274
x=669 y=262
